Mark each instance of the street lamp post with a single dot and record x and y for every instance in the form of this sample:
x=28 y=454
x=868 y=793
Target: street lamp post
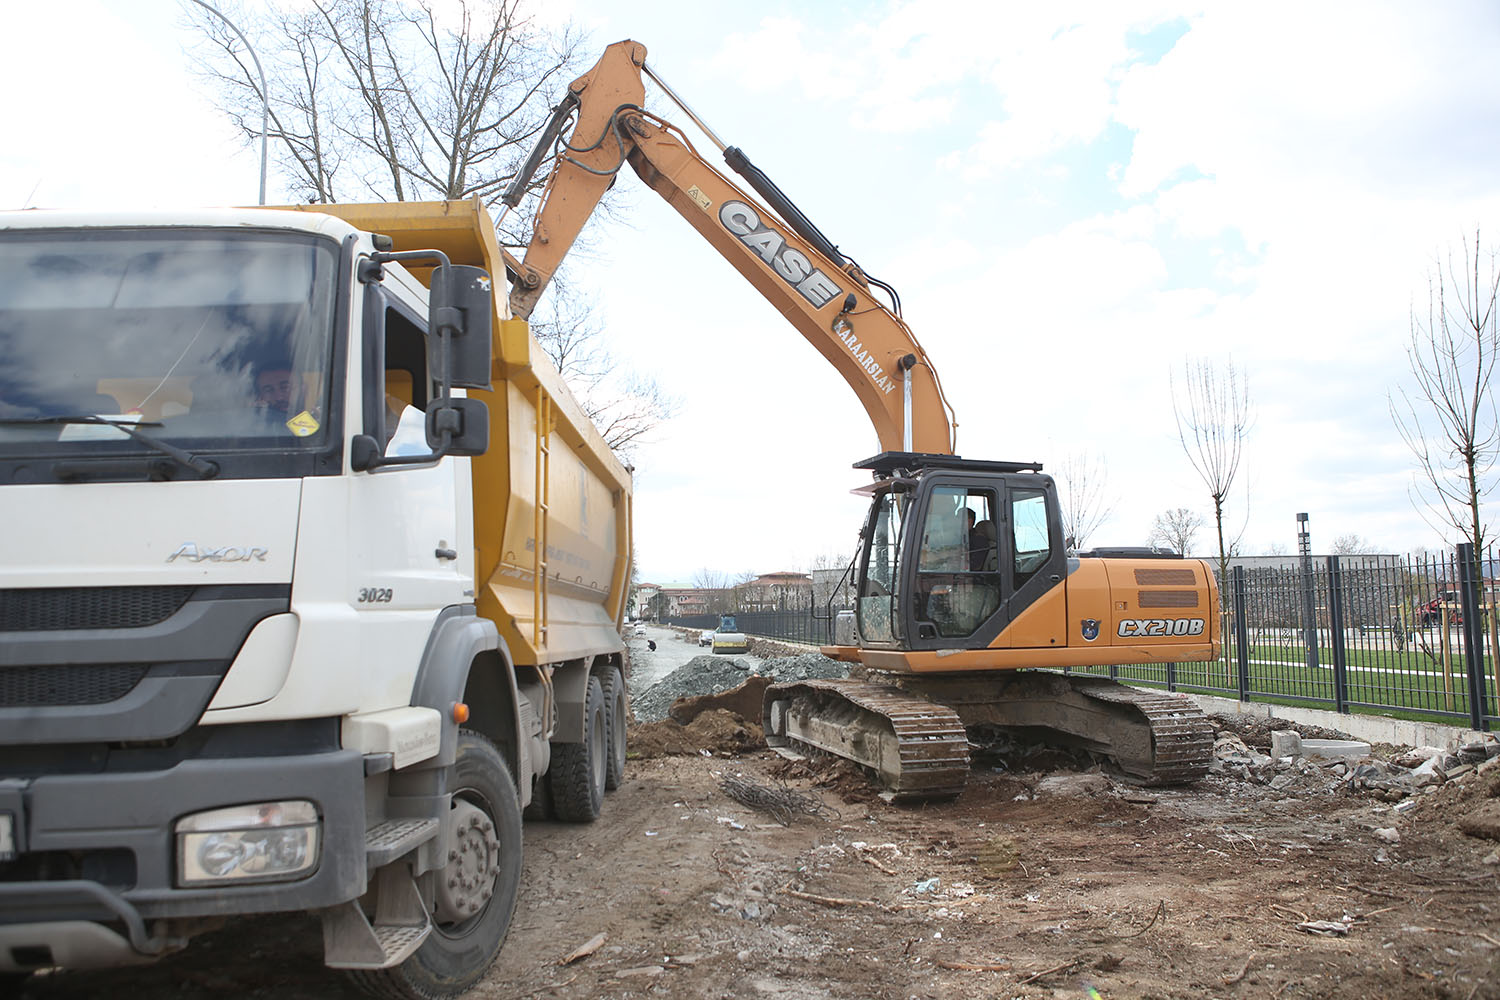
x=265 y=104
x=1309 y=611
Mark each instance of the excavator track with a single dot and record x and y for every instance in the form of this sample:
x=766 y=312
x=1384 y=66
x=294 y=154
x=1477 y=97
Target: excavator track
x=1155 y=737
x=1182 y=739
x=919 y=749
x=912 y=730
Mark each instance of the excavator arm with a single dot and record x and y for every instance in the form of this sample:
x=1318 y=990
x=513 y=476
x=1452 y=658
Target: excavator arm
x=823 y=294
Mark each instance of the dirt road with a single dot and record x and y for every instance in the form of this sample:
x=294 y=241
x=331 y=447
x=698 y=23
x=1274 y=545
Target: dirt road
x=1046 y=883
x=673 y=649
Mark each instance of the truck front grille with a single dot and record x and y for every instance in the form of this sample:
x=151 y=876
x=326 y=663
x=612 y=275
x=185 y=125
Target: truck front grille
x=38 y=610
x=91 y=684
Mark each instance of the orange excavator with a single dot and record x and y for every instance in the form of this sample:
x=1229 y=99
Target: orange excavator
x=969 y=606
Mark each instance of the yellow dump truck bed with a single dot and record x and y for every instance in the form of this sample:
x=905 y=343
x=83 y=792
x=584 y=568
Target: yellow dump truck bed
x=552 y=525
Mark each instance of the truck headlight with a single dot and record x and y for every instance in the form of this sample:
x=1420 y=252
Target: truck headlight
x=260 y=842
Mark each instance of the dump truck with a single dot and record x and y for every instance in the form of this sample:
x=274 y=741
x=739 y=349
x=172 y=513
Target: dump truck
x=313 y=580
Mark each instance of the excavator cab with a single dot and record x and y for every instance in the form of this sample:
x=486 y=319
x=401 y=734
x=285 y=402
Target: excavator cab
x=953 y=550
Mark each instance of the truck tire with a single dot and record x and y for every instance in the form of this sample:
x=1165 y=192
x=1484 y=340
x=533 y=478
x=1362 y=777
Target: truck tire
x=615 y=722
x=578 y=769
x=459 y=951
x=540 y=810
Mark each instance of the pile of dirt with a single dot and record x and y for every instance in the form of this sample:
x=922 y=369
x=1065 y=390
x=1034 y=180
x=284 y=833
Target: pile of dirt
x=1256 y=730
x=713 y=733
x=710 y=674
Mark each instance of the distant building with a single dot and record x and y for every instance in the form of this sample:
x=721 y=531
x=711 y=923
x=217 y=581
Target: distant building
x=783 y=591
x=641 y=600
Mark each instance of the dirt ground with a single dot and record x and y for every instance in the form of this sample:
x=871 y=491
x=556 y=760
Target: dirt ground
x=1049 y=882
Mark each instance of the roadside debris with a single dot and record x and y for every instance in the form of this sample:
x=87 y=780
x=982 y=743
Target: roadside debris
x=584 y=950
x=783 y=804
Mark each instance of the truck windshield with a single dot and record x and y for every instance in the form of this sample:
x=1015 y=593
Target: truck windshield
x=205 y=342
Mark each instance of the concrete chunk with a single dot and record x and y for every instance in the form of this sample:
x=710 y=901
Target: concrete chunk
x=1335 y=749
x=1286 y=743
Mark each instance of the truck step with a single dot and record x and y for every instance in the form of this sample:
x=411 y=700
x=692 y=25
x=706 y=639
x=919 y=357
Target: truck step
x=350 y=941
x=385 y=842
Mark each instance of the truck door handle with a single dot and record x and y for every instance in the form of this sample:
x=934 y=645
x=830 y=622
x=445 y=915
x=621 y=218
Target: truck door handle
x=445 y=553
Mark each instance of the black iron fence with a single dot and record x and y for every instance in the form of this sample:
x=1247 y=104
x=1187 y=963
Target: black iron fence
x=794 y=626
x=1408 y=635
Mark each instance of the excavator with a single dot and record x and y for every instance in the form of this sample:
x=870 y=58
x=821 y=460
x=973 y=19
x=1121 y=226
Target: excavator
x=969 y=608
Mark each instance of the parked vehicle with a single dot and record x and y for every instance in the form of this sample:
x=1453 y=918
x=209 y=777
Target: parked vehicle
x=285 y=630
x=1430 y=615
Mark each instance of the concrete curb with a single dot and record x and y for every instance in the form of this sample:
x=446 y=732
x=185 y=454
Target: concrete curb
x=1370 y=728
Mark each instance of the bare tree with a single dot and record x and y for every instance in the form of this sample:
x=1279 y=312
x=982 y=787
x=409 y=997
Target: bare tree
x=829 y=580
x=1350 y=544
x=624 y=404
x=717 y=589
x=1447 y=417
x=390 y=99
x=1086 y=503
x=1212 y=406
x=1175 y=529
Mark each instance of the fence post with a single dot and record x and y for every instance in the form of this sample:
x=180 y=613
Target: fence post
x=1241 y=631
x=1171 y=677
x=1336 y=638
x=1470 y=581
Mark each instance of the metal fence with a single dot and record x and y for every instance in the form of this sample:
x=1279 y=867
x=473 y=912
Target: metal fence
x=1413 y=636
x=1410 y=635
x=794 y=626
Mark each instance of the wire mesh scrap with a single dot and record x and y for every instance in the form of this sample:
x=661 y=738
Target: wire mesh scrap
x=782 y=803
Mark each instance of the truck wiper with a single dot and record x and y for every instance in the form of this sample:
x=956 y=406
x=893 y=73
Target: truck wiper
x=202 y=467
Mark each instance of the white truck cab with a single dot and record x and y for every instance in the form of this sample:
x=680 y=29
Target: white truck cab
x=240 y=599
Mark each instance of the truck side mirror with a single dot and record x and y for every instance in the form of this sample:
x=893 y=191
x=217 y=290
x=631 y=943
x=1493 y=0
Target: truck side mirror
x=460 y=305
x=458 y=426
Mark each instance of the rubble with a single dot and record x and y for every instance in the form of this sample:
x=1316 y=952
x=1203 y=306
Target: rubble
x=711 y=674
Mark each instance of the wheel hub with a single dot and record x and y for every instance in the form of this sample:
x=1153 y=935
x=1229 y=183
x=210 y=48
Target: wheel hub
x=465 y=886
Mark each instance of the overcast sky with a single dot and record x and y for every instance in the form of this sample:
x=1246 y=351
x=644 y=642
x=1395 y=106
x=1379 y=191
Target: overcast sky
x=1070 y=207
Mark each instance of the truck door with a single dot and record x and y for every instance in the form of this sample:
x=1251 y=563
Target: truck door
x=410 y=548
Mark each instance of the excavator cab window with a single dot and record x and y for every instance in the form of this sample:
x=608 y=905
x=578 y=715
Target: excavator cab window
x=1029 y=538
x=957 y=579
x=880 y=574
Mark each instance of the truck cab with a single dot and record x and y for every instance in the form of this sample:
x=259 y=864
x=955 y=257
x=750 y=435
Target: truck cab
x=258 y=647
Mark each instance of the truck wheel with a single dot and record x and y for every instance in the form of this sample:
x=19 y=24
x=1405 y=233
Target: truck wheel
x=475 y=894
x=578 y=769
x=615 y=722
x=540 y=810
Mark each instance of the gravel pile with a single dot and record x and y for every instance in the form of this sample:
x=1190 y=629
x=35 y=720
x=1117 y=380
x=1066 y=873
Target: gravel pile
x=710 y=674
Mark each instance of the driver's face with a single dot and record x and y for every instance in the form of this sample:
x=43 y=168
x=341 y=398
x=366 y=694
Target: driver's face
x=273 y=390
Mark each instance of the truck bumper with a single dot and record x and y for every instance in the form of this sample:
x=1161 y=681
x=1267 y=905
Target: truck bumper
x=97 y=855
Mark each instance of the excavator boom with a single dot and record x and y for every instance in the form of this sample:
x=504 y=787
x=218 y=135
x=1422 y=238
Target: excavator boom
x=828 y=301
